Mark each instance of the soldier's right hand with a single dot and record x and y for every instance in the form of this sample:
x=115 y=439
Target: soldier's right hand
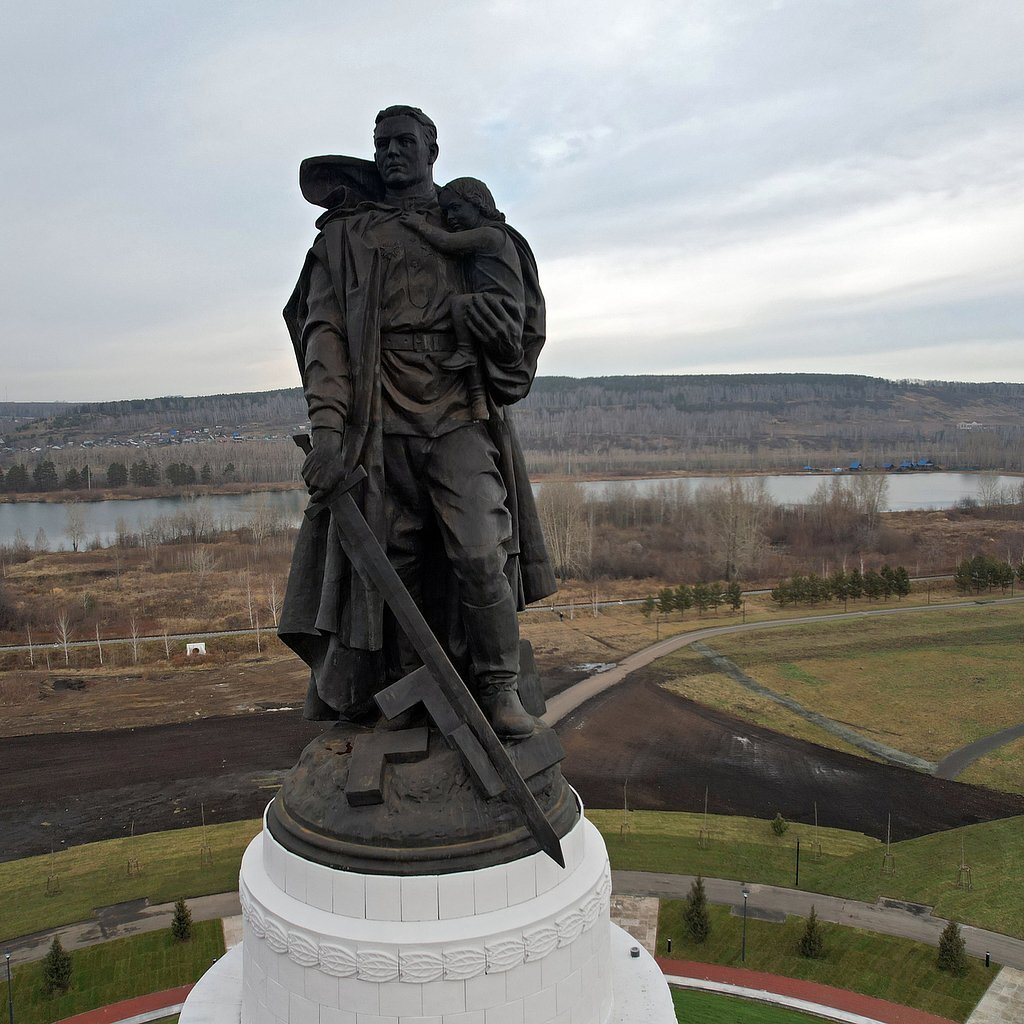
x=323 y=467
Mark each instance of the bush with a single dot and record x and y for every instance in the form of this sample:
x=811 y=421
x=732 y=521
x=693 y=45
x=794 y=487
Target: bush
x=56 y=969
x=812 y=942
x=695 y=915
x=779 y=824
x=952 y=950
x=181 y=923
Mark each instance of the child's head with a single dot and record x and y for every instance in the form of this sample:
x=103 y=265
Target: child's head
x=468 y=203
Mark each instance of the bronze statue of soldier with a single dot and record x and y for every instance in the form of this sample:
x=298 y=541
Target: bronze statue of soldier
x=372 y=320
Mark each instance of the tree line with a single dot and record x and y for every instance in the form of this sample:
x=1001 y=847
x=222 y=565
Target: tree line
x=842 y=585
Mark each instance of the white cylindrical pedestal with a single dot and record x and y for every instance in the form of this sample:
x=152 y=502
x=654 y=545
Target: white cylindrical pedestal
x=526 y=941
x=521 y=943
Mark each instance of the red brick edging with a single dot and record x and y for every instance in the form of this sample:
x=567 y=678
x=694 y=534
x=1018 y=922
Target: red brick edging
x=131 y=1007
x=811 y=991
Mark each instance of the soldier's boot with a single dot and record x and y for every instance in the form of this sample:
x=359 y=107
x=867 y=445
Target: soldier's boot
x=492 y=634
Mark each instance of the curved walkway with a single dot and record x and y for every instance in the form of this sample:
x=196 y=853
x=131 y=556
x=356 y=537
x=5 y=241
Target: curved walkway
x=139 y=1010
x=886 y=917
x=953 y=764
x=809 y=996
x=571 y=698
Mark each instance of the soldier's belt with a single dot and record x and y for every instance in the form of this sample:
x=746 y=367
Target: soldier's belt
x=421 y=341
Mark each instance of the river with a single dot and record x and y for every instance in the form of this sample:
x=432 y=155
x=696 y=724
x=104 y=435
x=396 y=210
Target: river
x=907 y=491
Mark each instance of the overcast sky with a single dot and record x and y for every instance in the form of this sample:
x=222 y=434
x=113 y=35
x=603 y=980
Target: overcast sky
x=709 y=186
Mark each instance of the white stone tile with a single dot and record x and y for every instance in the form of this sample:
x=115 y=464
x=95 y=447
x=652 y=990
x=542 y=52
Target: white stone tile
x=541 y=1006
x=360 y=996
x=522 y=880
x=375 y=1018
x=563 y=1018
x=320 y=887
x=455 y=896
x=485 y=991
x=273 y=862
x=444 y=997
x=295 y=878
x=469 y=1017
x=510 y=1013
x=277 y=999
x=400 y=999
x=330 y=1015
x=291 y=975
x=302 y=1010
x=524 y=980
x=265 y=1016
x=490 y=889
x=582 y=949
x=383 y=898
x=349 y=894
x=556 y=966
x=419 y=898
x=569 y=991
x=322 y=988
x=549 y=874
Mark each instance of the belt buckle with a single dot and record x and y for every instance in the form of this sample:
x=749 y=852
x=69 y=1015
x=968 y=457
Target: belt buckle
x=419 y=343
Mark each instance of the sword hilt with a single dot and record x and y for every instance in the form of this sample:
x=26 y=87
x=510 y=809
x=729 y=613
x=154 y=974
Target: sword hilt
x=357 y=476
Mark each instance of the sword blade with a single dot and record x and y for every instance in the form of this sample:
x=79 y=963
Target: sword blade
x=371 y=561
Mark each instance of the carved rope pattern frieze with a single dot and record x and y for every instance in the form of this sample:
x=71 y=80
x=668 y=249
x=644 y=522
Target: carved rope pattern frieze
x=420 y=966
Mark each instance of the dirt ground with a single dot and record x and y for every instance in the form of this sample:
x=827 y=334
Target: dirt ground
x=65 y=788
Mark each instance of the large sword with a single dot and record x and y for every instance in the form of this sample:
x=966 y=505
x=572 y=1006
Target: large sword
x=370 y=560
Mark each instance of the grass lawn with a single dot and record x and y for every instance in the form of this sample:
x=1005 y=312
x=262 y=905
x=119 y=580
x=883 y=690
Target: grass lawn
x=710 y=1008
x=924 y=684
x=95 y=875
x=116 y=970
x=876 y=965
x=746 y=848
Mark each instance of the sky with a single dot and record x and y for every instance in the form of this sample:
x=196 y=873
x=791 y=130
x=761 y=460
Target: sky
x=710 y=186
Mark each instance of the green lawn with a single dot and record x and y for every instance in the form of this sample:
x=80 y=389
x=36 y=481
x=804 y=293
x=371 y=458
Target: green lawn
x=876 y=965
x=926 y=684
x=850 y=865
x=95 y=875
x=709 y=1008
x=112 y=971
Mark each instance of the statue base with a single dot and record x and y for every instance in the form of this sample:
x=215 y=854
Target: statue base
x=356 y=801
x=524 y=941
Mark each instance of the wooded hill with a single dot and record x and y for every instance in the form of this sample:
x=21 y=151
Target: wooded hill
x=629 y=423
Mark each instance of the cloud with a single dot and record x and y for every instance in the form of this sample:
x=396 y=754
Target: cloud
x=799 y=184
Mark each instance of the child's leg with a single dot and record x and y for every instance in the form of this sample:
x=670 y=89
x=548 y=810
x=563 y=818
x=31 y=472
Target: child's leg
x=465 y=352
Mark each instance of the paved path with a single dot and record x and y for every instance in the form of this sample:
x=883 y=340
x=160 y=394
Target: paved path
x=570 y=699
x=1003 y=1003
x=155 y=1006
x=886 y=917
x=120 y=921
x=953 y=764
x=793 y=992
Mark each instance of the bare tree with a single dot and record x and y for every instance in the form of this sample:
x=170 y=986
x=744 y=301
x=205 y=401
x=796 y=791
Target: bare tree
x=31 y=653
x=74 y=524
x=62 y=628
x=562 y=507
x=273 y=600
x=134 y=622
x=99 y=646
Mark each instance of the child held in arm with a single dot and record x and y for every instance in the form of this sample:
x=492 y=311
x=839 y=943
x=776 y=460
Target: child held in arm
x=478 y=235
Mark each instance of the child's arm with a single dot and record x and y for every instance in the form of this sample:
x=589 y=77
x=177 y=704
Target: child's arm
x=456 y=243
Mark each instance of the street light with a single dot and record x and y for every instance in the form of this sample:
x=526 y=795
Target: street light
x=10 y=990
x=743 y=948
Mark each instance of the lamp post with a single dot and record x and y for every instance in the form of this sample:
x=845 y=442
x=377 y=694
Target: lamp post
x=743 y=948
x=10 y=990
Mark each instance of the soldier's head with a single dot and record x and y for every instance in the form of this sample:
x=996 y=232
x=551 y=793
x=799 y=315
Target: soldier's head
x=404 y=147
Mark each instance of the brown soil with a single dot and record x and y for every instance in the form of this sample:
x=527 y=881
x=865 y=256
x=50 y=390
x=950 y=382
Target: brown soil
x=75 y=787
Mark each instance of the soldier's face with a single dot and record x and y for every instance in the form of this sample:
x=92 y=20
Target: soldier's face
x=402 y=154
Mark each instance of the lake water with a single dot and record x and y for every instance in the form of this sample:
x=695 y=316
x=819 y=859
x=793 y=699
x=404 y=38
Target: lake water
x=906 y=491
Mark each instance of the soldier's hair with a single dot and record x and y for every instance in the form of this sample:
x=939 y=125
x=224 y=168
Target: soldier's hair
x=477 y=194
x=400 y=110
